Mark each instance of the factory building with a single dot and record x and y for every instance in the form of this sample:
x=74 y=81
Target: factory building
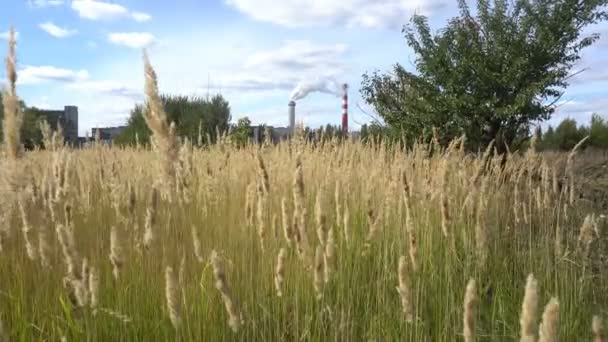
x=107 y=134
x=67 y=118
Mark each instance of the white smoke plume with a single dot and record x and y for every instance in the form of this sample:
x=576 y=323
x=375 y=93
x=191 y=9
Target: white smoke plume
x=320 y=85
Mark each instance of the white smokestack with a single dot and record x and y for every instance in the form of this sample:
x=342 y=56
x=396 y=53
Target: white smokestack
x=321 y=85
x=292 y=117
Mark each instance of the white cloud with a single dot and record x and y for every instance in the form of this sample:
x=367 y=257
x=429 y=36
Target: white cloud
x=587 y=106
x=100 y=10
x=247 y=83
x=284 y=67
x=41 y=74
x=141 y=17
x=56 y=31
x=5 y=35
x=300 y=56
x=136 y=40
x=44 y=3
x=366 y=13
x=97 y=10
x=109 y=88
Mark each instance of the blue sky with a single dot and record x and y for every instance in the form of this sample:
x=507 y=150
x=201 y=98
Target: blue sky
x=88 y=53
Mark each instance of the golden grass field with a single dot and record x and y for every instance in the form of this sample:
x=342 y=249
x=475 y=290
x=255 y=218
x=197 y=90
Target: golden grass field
x=340 y=241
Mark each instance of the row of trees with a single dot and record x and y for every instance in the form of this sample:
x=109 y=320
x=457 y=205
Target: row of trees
x=568 y=133
x=31 y=134
x=194 y=117
x=490 y=75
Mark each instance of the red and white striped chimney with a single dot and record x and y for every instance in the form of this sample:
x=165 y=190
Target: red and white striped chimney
x=345 y=108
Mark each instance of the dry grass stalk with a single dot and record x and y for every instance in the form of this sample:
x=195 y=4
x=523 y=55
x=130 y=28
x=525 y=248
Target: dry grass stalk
x=409 y=228
x=559 y=248
x=318 y=275
x=287 y=228
x=404 y=289
x=549 y=326
x=172 y=296
x=599 y=332
x=116 y=252
x=529 y=310
x=164 y=138
x=94 y=289
x=65 y=235
x=13 y=115
x=330 y=255
x=587 y=234
x=274 y=225
x=149 y=235
x=117 y=315
x=27 y=230
x=444 y=199
x=221 y=284
x=181 y=274
x=374 y=225
x=150 y=221
x=279 y=275
x=83 y=293
x=261 y=217
x=338 y=204
x=320 y=219
x=546 y=178
x=44 y=248
x=346 y=224
x=481 y=232
x=570 y=169
x=132 y=201
x=470 y=311
x=264 y=180
x=196 y=242
x=299 y=212
x=249 y=203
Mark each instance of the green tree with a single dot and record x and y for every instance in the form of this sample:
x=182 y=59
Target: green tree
x=547 y=142
x=489 y=75
x=363 y=134
x=598 y=132
x=30 y=131
x=568 y=134
x=241 y=133
x=31 y=136
x=188 y=113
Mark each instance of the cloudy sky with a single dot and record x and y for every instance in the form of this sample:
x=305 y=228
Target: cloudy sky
x=254 y=52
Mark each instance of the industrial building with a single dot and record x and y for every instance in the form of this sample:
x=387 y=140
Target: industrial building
x=276 y=133
x=67 y=118
x=107 y=134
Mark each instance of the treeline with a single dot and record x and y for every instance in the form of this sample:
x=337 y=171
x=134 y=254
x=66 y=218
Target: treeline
x=31 y=133
x=198 y=119
x=568 y=133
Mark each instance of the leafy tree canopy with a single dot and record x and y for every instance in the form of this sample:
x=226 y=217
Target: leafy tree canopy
x=568 y=133
x=192 y=115
x=488 y=75
x=241 y=132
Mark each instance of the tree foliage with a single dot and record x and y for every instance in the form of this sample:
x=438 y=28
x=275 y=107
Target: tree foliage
x=192 y=115
x=488 y=75
x=30 y=130
x=568 y=133
x=241 y=133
